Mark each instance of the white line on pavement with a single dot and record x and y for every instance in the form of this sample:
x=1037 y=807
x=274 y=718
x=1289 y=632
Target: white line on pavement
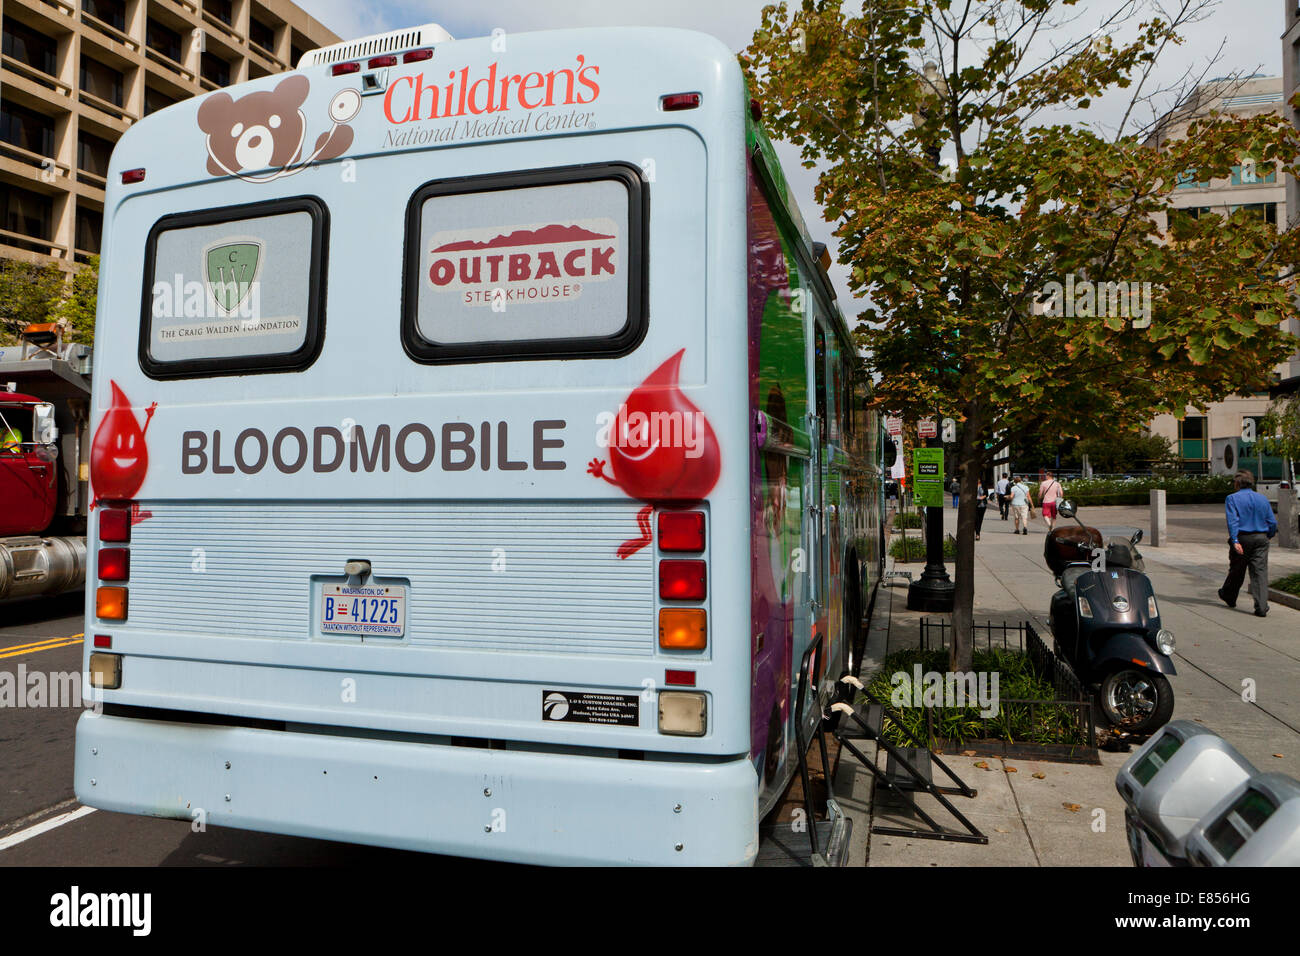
x=34 y=831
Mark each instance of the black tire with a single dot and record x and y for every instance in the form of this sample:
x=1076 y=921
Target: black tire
x=1136 y=700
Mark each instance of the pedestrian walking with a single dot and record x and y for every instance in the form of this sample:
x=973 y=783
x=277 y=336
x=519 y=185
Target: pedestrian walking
x=1003 y=489
x=981 y=503
x=1050 y=493
x=1021 y=501
x=955 y=488
x=1250 y=527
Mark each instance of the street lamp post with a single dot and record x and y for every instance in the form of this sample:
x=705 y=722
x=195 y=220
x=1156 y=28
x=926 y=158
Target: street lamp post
x=934 y=591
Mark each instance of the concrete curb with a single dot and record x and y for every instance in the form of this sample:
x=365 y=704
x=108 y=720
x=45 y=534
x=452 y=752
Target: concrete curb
x=1281 y=597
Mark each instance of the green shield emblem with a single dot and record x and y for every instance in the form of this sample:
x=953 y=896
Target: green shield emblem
x=231 y=271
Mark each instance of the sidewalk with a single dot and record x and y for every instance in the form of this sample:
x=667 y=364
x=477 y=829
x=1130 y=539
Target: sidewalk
x=1072 y=814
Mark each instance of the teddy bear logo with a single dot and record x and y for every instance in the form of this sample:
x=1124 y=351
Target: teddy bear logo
x=260 y=136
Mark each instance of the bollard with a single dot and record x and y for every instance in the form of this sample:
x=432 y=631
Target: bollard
x=1157 y=518
x=1286 y=518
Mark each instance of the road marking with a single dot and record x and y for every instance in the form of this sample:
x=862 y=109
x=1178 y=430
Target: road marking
x=23 y=836
x=46 y=645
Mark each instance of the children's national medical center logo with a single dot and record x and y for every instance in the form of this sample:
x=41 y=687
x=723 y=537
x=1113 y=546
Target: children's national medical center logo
x=260 y=136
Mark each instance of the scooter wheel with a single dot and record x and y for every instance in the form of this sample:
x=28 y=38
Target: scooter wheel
x=1136 y=701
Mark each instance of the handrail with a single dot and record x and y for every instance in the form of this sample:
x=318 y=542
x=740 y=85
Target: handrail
x=163 y=60
x=39 y=160
x=103 y=105
x=120 y=36
x=221 y=25
x=35 y=75
x=59 y=249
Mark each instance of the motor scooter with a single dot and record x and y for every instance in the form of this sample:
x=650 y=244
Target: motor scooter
x=1106 y=624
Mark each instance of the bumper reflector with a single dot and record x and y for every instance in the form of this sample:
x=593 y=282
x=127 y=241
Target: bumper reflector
x=683 y=713
x=106 y=671
x=683 y=628
x=110 y=604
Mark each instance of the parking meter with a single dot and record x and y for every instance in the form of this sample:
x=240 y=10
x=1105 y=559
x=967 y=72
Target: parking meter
x=1257 y=824
x=1173 y=780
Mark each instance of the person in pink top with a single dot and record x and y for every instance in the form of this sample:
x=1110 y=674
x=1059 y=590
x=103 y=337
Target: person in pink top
x=1050 y=493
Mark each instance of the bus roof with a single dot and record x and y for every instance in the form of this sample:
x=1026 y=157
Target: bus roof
x=375 y=95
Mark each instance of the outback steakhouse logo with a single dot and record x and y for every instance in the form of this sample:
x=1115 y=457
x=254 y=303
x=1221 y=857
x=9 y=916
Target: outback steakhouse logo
x=529 y=264
x=412 y=98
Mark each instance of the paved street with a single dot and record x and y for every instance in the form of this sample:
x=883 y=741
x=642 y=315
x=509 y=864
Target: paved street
x=36 y=754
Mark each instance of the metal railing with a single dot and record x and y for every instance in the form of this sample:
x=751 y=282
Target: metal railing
x=1070 y=696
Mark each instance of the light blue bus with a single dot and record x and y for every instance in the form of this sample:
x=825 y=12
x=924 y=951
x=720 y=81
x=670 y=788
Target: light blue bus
x=478 y=451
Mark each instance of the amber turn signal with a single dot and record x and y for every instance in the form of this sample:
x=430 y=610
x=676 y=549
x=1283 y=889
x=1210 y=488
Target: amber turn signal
x=110 y=604
x=683 y=628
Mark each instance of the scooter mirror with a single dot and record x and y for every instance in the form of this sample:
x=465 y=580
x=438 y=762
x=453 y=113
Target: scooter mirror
x=1066 y=509
x=1137 y=535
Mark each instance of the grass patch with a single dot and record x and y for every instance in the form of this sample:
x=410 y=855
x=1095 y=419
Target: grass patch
x=913 y=549
x=907 y=519
x=1290 y=584
x=1017 y=680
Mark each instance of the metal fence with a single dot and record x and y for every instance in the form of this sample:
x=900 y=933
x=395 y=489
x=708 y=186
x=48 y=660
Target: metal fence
x=1070 y=694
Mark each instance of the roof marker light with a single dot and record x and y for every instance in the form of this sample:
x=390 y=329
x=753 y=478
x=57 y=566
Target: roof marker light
x=679 y=101
x=339 y=69
x=130 y=176
x=388 y=59
x=415 y=56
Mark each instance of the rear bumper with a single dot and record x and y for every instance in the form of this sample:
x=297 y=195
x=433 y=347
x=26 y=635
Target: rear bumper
x=507 y=805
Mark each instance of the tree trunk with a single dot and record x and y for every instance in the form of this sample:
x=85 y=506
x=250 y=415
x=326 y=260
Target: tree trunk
x=970 y=462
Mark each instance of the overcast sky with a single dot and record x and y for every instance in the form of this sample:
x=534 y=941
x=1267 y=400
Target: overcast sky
x=1249 y=30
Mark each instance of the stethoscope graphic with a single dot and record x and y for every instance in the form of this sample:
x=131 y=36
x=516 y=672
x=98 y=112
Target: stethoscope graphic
x=343 y=108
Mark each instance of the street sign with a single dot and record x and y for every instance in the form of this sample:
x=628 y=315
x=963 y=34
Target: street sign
x=894 y=425
x=926 y=428
x=927 y=477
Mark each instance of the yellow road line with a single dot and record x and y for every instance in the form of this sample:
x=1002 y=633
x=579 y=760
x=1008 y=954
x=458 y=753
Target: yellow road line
x=48 y=644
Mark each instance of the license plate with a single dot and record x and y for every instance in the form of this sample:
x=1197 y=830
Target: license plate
x=376 y=610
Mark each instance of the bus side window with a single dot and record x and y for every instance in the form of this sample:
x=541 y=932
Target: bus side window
x=820 y=378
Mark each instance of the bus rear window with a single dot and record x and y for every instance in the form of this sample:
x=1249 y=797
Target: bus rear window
x=530 y=265
x=234 y=290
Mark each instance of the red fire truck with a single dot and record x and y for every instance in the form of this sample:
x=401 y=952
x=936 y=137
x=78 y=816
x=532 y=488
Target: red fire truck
x=44 y=441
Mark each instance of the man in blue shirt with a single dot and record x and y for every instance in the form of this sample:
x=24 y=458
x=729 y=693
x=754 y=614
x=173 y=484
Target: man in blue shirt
x=1250 y=526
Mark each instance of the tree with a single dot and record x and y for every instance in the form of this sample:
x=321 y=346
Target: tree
x=1280 y=428
x=955 y=264
x=78 y=308
x=1127 y=451
x=28 y=293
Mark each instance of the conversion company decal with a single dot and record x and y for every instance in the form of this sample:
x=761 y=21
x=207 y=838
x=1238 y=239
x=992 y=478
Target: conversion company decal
x=523 y=264
x=587 y=708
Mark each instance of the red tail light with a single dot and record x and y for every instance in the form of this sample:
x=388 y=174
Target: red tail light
x=115 y=525
x=104 y=641
x=681 y=531
x=679 y=101
x=682 y=580
x=339 y=69
x=114 y=564
x=677 y=678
